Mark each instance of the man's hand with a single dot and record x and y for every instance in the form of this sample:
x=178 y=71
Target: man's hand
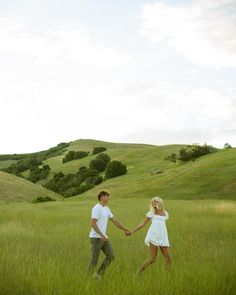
x=104 y=238
x=128 y=233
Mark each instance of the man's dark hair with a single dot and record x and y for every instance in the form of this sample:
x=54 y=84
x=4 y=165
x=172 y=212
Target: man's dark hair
x=102 y=193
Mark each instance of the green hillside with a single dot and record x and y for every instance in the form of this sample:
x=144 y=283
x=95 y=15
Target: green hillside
x=209 y=177
x=16 y=189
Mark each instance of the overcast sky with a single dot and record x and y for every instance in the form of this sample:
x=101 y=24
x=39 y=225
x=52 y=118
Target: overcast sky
x=155 y=72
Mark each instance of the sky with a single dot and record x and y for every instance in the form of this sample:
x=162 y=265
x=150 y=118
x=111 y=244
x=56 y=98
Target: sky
x=141 y=71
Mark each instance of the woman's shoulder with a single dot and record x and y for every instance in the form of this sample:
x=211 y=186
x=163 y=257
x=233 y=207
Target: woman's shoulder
x=149 y=214
x=166 y=213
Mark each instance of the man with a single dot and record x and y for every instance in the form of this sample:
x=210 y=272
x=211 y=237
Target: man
x=98 y=238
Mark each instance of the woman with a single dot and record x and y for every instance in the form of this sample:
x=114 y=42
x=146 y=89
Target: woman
x=157 y=235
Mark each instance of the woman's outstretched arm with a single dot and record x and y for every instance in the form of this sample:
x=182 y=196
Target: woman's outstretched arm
x=141 y=225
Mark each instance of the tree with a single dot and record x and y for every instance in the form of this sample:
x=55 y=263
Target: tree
x=104 y=157
x=194 y=151
x=99 y=149
x=72 y=155
x=115 y=168
x=98 y=164
x=37 y=173
x=227 y=146
x=69 y=157
x=184 y=155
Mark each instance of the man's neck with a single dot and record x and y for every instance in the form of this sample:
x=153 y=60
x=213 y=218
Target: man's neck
x=101 y=203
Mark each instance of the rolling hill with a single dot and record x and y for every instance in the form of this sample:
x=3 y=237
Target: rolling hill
x=17 y=189
x=209 y=177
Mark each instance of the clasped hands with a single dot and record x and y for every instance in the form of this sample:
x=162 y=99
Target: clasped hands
x=128 y=232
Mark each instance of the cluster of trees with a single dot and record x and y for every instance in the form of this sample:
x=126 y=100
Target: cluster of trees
x=100 y=162
x=72 y=155
x=37 y=173
x=29 y=161
x=70 y=184
x=86 y=177
x=53 y=152
x=74 y=183
x=191 y=152
x=22 y=165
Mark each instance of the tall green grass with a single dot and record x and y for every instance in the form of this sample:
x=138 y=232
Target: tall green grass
x=45 y=249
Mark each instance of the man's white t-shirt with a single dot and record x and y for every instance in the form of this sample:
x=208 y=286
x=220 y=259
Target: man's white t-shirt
x=101 y=213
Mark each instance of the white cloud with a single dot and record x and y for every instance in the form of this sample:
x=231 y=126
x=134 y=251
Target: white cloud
x=203 y=31
x=66 y=43
x=45 y=3
x=59 y=85
x=44 y=112
x=170 y=106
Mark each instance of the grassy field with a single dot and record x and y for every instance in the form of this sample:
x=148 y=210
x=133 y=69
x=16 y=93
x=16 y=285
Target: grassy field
x=45 y=248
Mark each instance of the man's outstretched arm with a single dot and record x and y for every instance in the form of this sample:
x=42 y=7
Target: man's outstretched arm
x=118 y=224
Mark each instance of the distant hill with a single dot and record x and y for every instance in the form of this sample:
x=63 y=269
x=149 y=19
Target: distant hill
x=17 y=189
x=209 y=177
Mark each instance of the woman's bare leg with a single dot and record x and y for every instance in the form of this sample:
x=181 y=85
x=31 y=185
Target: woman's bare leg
x=151 y=259
x=166 y=254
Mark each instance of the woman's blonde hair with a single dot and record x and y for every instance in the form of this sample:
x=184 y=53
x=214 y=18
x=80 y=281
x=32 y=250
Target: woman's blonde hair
x=160 y=204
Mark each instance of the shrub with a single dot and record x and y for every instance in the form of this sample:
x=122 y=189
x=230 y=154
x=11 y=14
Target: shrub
x=184 y=155
x=43 y=199
x=95 y=180
x=72 y=155
x=84 y=187
x=37 y=173
x=227 y=146
x=98 y=164
x=115 y=168
x=56 y=183
x=104 y=157
x=194 y=151
x=172 y=158
x=98 y=150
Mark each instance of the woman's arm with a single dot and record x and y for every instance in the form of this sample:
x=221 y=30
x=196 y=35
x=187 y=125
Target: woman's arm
x=141 y=225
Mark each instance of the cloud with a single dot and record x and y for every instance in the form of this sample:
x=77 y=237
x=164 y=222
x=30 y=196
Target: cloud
x=166 y=104
x=44 y=3
x=203 y=31
x=58 y=46
x=59 y=84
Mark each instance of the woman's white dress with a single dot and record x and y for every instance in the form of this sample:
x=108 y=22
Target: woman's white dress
x=157 y=233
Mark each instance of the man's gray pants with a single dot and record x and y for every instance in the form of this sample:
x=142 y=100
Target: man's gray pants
x=96 y=246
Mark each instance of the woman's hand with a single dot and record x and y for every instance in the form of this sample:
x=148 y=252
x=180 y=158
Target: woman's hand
x=128 y=233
